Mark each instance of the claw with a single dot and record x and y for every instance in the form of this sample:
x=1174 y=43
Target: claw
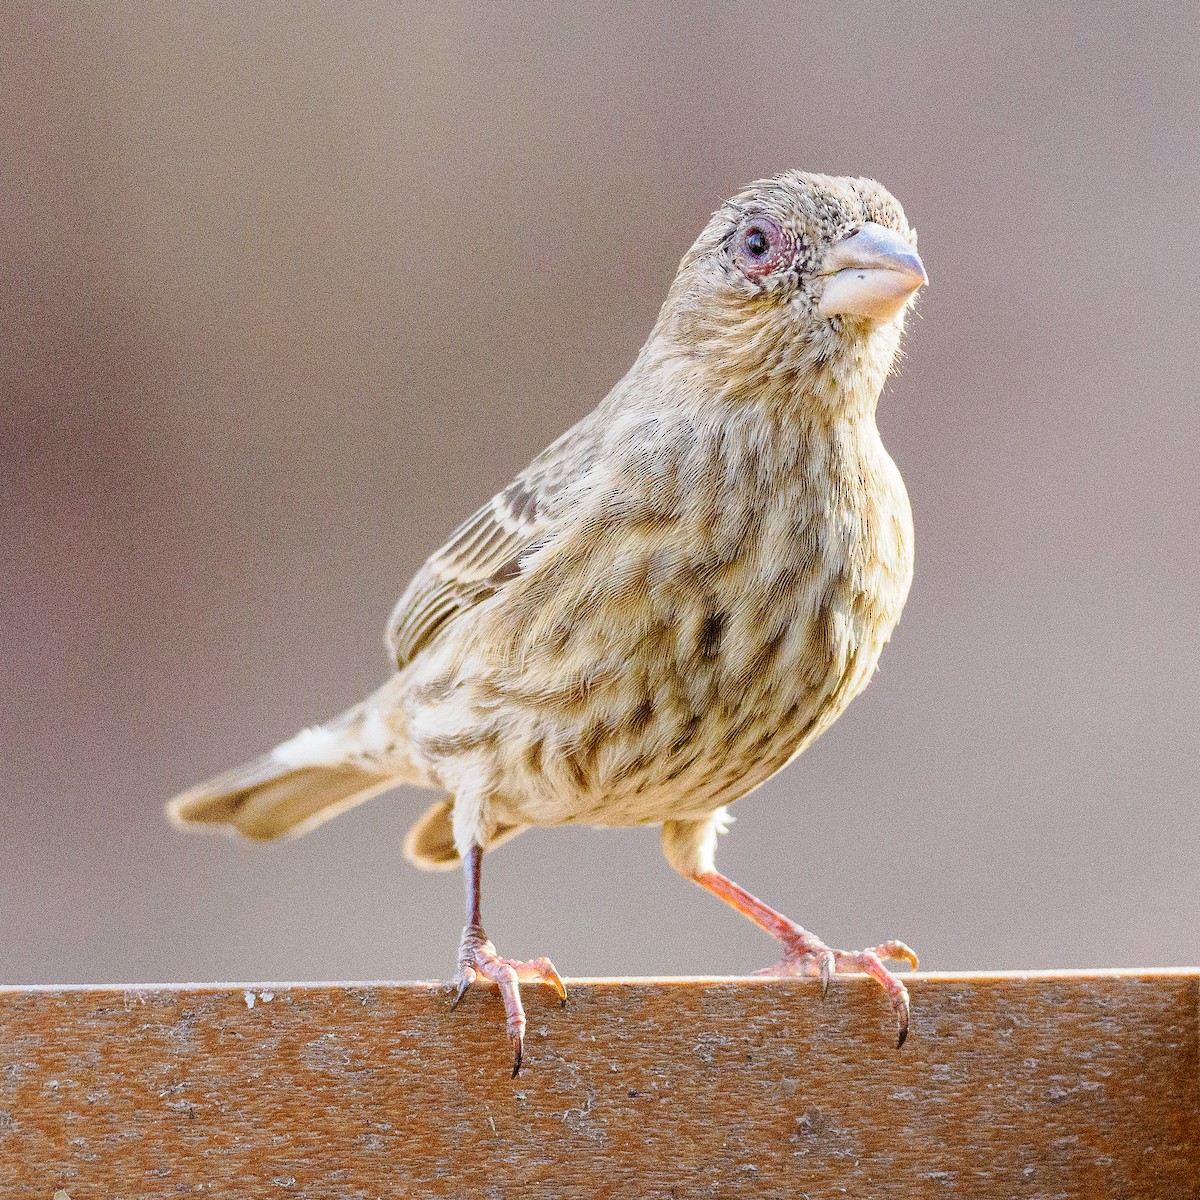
x=478 y=960
x=827 y=968
x=898 y=952
x=808 y=956
x=542 y=970
x=900 y=1003
x=463 y=984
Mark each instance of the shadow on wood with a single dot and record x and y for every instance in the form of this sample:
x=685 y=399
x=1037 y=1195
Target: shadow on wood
x=1038 y=1085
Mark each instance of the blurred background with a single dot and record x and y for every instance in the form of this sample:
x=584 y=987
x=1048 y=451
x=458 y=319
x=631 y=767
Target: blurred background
x=284 y=294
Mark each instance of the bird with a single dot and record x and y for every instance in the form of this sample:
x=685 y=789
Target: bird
x=669 y=604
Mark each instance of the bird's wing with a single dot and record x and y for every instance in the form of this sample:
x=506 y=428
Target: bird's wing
x=487 y=549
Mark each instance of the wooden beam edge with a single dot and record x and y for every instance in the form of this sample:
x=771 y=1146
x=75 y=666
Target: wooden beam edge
x=969 y=978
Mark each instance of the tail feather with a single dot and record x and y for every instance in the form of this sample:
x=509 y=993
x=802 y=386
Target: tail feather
x=430 y=842
x=267 y=798
x=314 y=776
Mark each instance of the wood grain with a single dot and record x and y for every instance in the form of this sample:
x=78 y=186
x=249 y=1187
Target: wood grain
x=1012 y=1086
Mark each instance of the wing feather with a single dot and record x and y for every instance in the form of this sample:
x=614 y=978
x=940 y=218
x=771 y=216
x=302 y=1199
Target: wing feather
x=489 y=547
x=484 y=552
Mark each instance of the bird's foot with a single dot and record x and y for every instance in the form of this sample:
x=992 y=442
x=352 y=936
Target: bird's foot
x=477 y=959
x=806 y=954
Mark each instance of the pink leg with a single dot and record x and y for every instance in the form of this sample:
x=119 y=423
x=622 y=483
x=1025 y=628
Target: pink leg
x=806 y=954
x=477 y=959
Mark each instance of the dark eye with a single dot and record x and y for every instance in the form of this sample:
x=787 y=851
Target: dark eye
x=757 y=243
x=760 y=246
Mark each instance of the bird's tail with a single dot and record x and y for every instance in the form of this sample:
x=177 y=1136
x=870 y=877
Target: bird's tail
x=266 y=799
x=318 y=774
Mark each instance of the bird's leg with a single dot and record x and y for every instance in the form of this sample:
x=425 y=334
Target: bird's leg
x=477 y=959
x=806 y=954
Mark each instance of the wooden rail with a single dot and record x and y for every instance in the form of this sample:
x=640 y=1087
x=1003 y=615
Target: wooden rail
x=1010 y=1086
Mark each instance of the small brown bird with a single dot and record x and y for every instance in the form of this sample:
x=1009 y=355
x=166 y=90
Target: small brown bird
x=670 y=602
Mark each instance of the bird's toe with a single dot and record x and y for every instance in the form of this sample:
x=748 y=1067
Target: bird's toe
x=478 y=960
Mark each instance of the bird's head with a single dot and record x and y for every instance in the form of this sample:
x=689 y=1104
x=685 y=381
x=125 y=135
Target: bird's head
x=799 y=284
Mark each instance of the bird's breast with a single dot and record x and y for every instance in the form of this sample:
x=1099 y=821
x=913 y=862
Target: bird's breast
x=678 y=656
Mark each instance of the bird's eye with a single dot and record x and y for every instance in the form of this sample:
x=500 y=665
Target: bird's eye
x=757 y=243
x=759 y=246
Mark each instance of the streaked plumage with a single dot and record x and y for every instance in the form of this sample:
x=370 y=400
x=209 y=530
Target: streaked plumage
x=673 y=599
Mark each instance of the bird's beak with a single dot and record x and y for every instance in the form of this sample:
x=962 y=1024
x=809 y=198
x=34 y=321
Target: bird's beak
x=873 y=272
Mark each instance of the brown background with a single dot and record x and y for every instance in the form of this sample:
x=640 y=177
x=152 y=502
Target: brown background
x=285 y=295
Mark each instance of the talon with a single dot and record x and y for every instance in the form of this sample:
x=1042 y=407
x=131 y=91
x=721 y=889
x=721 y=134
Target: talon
x=898 y=952
x=549 y=975
x=806 y=954
x=478 y=960
x=463 y=984
x=902 y=1013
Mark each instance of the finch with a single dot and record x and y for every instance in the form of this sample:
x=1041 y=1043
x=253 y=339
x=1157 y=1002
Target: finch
x=670 y=603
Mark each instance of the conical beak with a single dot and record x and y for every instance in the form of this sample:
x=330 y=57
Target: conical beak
x=873 y=272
